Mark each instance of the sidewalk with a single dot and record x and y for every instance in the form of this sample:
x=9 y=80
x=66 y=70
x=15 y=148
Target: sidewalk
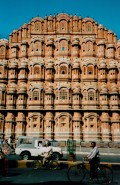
x=103 y=151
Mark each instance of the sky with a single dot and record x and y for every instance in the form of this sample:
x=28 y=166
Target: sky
x=13 y=13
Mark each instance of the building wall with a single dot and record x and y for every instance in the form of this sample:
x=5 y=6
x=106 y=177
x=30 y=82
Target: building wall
x=60 y=79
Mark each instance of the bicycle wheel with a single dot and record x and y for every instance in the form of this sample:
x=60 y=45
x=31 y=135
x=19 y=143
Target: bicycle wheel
x=53 y=164
x=75 y=173
x=104 y=174
x=36 y=164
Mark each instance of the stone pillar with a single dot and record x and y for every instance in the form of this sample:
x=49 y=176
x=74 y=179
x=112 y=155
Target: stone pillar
x=77 y=129
x=115 y=128
x=20 y=124
x=105 y=127
x=9 y=125
x=49 y=126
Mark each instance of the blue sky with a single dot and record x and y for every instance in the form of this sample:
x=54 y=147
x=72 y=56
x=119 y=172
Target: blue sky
x=13 y=13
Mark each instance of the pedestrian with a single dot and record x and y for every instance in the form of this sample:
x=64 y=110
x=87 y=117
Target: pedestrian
x=6 y=161
x=2 y=157
x=9 y=141
x=94 y=159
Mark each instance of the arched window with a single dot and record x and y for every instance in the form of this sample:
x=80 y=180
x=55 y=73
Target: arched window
x=36 y=70
x=90 y=70
x=63 y=70
x=90 y=95
x=63 y=26
x=37 y=46
x=35 y=95
x=63 y=45
x=88 y=27
x=37 y=26
x=2 y=49
x=63 y=95
x=89 y=46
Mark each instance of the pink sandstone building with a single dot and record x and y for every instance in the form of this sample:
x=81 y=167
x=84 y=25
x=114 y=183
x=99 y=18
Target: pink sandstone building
x=60 y=79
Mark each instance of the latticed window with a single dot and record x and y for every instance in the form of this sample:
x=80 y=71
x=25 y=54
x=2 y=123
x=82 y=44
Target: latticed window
x=35 y=95
x=49 y=24
x=63 y=70
x=90 y=70
x=34 y=119
x=75 y=25
x=63 y=45
x=91 y=119
x=2 y=49
x=88 y=27
x=88 y=46
x=63 y=25
x=63 y=95
x=37 y=46
x=90 y=95
x=20 y=97
x=36 y=70
x=37 y=26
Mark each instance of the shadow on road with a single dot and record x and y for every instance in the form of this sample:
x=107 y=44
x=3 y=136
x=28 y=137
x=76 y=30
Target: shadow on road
x=44 y=183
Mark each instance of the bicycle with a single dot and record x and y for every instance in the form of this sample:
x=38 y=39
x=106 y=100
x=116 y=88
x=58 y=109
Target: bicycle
x=80 y=173
x=50 y=163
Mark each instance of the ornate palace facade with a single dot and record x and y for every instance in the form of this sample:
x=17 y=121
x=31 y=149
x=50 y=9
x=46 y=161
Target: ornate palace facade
x=60 y=79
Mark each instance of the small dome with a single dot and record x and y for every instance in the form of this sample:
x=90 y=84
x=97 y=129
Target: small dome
x=23 y=64
x=13 y=64
x=49 y=90
x=76 y=90
x=50 y=18
x=114 y=89
x=110 y=46
x=103 y=89
x=75 y=18
x=102 y=65
x=100 y=26
x=112 y=64
x=101 y=42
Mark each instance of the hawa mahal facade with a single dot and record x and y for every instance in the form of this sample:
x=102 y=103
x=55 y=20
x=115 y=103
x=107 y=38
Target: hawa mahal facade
x=60 y=79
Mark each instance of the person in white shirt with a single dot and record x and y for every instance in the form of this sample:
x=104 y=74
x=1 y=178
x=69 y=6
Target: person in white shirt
x=47 y=152
x=93 y=158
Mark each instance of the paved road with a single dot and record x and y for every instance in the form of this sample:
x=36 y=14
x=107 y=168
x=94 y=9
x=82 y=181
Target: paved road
x=44 y=177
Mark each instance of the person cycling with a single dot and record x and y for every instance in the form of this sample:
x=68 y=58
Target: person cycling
x=47 y=152
x=94 y=159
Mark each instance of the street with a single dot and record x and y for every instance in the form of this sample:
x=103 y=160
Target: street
x=104 y=158
x=44 y=176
